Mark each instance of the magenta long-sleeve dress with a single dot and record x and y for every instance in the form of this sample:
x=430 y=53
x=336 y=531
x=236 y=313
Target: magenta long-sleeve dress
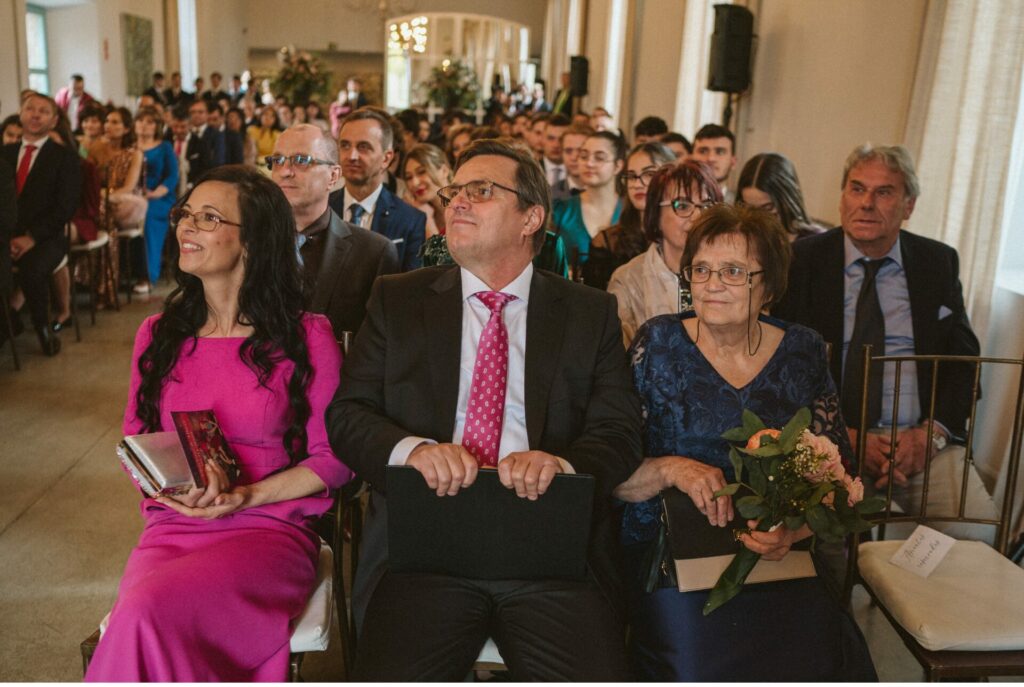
x=213 y=600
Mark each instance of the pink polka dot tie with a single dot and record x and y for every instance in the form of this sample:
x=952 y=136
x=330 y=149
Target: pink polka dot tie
x=486 y=410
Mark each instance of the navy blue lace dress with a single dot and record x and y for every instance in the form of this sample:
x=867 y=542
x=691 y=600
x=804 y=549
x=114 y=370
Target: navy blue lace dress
x=782 y=631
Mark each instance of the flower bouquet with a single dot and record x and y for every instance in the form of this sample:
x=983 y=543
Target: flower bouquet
x=795 y=477
x=301 y=76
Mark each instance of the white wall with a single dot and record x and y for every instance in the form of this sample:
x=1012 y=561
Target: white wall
x=658 y=40
x=68 y=53
x=222 y=37
x=829 y=75
x=13 y=69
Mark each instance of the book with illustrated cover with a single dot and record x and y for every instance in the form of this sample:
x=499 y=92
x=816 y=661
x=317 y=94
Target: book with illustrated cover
x=203 y=440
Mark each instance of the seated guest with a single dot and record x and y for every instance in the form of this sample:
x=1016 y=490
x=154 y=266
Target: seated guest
x=623 y=241
x=768 y=182
x=161 y=181
x=678 y=144
x=339 y=260
x=425 y=171
x=265 y=134
x=48 y=181
x=868 y=281
x=535 y=134
x=567 y=408
x=232 y=140
x=91 y=125
x=199 y=120
x=649 y=129
x=366 y=145
x=234 y=123
x=715 y=146
x=571 y=143
x=696 y=375
x=579 y=218
x=458 y=140
x=552 y=162
x=191 y=152
x=10 y=129
x=650 y=284
x=232 y=338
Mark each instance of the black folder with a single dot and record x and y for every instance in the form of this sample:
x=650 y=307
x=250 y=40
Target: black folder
x=485 y=531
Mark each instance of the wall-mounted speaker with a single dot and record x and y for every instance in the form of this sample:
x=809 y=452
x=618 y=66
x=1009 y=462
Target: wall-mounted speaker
x=579 y=75
x=729 y=64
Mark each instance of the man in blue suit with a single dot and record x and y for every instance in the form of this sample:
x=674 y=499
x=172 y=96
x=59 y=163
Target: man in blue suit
x=199 y=115
x=366 y=145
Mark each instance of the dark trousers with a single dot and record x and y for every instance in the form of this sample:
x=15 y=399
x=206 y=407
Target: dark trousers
x=34 y=271
x=422 y=627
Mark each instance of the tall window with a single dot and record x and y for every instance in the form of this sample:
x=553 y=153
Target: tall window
x=35 y=38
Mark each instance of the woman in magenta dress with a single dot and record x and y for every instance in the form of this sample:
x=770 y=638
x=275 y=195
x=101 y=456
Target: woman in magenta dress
x=219 y=575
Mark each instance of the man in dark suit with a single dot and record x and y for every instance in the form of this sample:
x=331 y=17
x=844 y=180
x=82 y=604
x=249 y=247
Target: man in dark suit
x=215 y=93
x=366 y=142
x=193 y=155
x=48 y=183
x=340 y=261
x=234 y=143
x=913 y=284
x=198 y=117
x=156 y=90
x=176 y=95
x=415 y=383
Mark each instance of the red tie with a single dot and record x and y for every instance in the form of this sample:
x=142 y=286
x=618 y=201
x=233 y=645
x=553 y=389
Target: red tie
x=177 y=147
x=26 y=162
x=486 y=408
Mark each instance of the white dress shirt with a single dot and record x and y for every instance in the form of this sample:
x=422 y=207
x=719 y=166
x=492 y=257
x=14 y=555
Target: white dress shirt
x=555 y=172
x=369 y=204
x=474 y=318
x=38 y=143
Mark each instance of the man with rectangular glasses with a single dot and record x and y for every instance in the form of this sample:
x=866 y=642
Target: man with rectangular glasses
x=340 y=260
x=489 y=364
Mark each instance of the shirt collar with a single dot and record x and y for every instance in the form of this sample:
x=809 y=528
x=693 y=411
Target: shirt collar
x=518 y=287
x=369 y=203
x=38 y=143
x=319 y=225
x=852 y=254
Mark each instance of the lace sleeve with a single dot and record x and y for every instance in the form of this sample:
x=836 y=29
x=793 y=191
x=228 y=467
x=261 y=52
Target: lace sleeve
x=826 y=415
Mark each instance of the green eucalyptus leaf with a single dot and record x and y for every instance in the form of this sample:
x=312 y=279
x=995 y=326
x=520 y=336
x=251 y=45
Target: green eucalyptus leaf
x=818 y=520
x=758 y=480
x=794 y=522
x=737 y=464
x=741 y=434
x=728 y=489
x=752 y=422
x=752 y=507
x=791 y=432
x=874 y=504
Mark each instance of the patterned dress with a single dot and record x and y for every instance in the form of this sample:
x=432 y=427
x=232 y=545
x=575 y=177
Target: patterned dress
x=781 y=631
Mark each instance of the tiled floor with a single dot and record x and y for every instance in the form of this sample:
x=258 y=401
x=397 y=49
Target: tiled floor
x=68 y=515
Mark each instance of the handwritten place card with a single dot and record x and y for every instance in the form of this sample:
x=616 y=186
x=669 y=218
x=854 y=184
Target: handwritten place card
x=923 y=551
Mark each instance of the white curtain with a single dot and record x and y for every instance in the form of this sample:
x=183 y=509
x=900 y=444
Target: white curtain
x=960 y=128
x=965 y=107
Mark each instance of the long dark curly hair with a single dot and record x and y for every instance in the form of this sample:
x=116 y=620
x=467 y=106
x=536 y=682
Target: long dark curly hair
x=270 y=301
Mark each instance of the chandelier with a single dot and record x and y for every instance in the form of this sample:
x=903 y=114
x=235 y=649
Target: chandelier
x=408 y=36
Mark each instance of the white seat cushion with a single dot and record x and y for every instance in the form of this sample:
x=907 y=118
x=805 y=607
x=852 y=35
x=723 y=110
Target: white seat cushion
x=973 y=601
x=129 y=233
x=313 y=628
x=312 y=631
x=102 y=239
x=490 y=653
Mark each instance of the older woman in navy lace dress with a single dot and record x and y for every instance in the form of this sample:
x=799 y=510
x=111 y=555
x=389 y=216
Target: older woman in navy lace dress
x=695 y=374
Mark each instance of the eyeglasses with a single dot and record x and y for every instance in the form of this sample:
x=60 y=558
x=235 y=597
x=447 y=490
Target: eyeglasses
x=643 y=177
x=476 y=191
x=298 y=161
x=203 y=221
x=730 y=276
x=683 y=207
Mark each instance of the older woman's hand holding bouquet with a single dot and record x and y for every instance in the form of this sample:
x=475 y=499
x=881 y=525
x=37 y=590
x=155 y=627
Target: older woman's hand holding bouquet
x=799 y=486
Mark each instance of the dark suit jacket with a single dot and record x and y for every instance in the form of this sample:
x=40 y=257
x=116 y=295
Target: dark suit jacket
x=8 y=220
x=402 y=378
x=214 y=141
x=198 y=156
x=234 y=147
x=156 y=94
x=400 y=222
x=353 y=258
x=51 y=192
x=815 y=298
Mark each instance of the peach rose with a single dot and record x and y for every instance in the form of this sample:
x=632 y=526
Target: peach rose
x=755 y=441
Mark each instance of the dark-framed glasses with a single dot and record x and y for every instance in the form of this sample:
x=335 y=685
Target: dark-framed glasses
x=479 y=191
x=643 y=177
x=201 y=220
x=684 y=208
x=730 y=276
x=298 y=161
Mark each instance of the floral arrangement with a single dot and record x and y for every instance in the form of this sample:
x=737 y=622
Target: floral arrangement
x=795 y=477
x=452 y=84
x=300 y=77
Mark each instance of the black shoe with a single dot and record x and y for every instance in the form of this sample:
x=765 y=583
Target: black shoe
x=49 y=341
x=58 y=325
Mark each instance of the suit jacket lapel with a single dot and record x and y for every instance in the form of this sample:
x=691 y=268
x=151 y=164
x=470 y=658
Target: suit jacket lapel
x=545 y=325
x=43 y=154
x=920 y=287
x=381 y=212
x=830 y=298
x=442 y=328
x=330 y=272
